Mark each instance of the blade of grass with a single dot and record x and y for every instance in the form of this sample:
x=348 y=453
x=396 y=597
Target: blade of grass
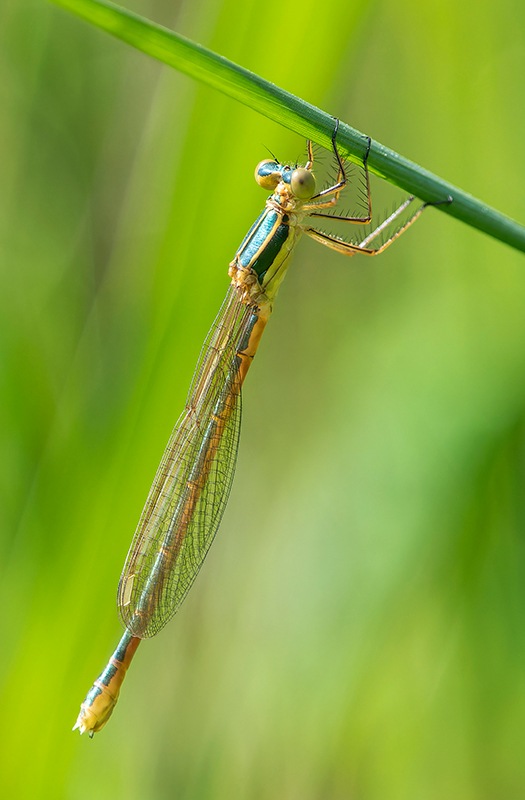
x=292 y=112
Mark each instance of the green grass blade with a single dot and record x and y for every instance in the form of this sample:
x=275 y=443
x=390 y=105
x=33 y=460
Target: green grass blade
x=292 y=112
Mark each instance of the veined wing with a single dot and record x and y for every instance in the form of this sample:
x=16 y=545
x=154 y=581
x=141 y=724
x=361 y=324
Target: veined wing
x=192 y=484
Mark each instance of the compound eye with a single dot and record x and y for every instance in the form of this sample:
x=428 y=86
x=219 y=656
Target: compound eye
x=303 y=183
x=268 y=173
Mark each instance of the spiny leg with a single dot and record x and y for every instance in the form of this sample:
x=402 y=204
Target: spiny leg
x=341 y=174
x=309 y=149
x=334 y=191
x=313 y=207
x=350 y=249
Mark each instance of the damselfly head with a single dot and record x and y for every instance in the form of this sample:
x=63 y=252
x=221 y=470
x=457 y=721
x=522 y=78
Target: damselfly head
x=269 y=173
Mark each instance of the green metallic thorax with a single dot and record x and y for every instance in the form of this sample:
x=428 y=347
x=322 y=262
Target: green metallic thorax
x=265 y=250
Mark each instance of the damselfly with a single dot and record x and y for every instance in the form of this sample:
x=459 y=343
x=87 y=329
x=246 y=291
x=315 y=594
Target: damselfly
x=192 y=484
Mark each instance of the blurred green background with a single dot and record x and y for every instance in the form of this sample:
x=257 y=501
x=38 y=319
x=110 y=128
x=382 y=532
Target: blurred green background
x=358 y=628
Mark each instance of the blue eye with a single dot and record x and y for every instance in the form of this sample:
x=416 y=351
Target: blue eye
x=268 y=173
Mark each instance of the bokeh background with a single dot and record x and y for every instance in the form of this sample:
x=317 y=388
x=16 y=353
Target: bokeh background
x=358 y=629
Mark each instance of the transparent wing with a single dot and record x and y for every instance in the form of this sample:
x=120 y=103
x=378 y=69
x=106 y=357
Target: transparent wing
x=192 y=484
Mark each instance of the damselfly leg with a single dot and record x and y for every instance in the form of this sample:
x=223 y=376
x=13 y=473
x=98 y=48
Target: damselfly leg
x=334 y=191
